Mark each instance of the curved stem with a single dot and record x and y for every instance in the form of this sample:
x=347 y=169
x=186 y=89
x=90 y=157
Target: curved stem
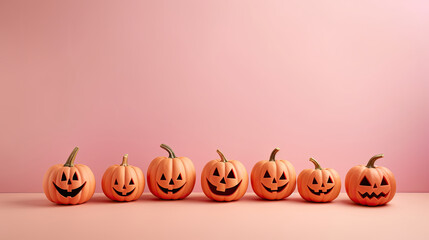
x=125 y=160
x=373 y=159
x=273 y=154
x=169 y=150
x=70 y=160
x=316 y=164
x=222 y=157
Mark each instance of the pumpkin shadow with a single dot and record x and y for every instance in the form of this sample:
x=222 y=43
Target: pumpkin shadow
x=36 y=203
x=349 y=202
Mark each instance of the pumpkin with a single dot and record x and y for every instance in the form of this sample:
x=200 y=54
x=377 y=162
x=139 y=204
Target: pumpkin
x=319 y=184
x=273 y=179
x=224 y=180
x=123 y=182
x=69 y=183
x=171 y=177
x=370 y=185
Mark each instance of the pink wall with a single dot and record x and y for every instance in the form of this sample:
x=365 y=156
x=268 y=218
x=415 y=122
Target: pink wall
x=336 y=81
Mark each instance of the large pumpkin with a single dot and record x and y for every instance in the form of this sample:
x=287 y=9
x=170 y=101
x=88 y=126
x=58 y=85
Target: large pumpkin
x=69 y=183
x=171 y=177
x=224 y=180
x=370 y=185
x=123 y=182
x=319 y=184
x=273 y=179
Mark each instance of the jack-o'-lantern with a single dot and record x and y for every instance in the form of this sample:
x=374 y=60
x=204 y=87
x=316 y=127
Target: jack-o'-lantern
x=319 y=184
x=123 y=182
x=370 y=185
x=69 y=183
x=273 y=179
x=224 y=180
x=171 y=177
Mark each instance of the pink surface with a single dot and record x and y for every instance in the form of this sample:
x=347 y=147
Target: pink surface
x=337 y=81
x=31 y=216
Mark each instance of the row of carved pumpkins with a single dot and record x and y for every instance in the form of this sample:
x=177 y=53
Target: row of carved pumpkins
x=221 y=179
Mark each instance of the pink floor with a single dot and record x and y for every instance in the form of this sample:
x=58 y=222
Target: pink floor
x=31 y=216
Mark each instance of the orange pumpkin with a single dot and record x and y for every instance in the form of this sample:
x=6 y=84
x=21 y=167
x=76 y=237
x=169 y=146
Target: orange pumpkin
x=171 y=177
x=123 y=182
x=319 y=184
x=69 y=183
x=370 y=185
x=224 y=180
x=273 y=179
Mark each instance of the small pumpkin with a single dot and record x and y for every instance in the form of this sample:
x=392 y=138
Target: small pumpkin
x=171 y=177
x=123 y=182
x=273 y=179
x=370 y=185
x=224 y=180
x=319 y=184
x=69 y=183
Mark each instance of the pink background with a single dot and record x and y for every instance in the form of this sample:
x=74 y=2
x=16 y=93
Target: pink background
x=336 y=81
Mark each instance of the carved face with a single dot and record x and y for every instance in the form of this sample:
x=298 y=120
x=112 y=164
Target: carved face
x=171 y=177
x=224 y=180
x=370 y=185
x=319 y=184
x=273 y=179
x=69 y=185
x=373 y=187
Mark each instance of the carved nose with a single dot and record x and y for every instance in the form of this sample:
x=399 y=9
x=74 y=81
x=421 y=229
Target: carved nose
x=123 y=187
x=223 y=181
x=171 y=182
x=375 y=185
x=274 y=180
x=69 y=182
x=323 y=185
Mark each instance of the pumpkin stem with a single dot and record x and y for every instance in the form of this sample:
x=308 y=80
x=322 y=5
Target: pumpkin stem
x=273 y=154
x=169 y=150
x=373 y=159
x=70 y=160
x=125 y=160
x=316 y=164
x=222 y=157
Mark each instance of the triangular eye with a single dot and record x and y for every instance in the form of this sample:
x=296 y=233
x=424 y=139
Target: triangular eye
x=75 y=176
x=384 y=182
x=267 y=174
x=231 y=174
x=314 y=181
x=330 y=180
x=163 y=177
x=365 y=182
x=116 y=181
x=131 y=182
x=283 y=176
x=179 y=177
x=216 y=173
x=63 y=178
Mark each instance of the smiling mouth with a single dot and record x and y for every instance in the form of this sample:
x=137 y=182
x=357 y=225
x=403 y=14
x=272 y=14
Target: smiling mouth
x=66 y=193
x=320 y=191
x=124 y=195
x=367 y=195
x=227 y=192
x=166 y=190
x=279 y=189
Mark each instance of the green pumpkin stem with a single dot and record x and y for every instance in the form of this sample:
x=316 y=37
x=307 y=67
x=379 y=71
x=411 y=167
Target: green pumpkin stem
x=70 y=160
x=169 y=150
x=273 y=154
x=222 y=157
x=125 y=160
x=373 y=159
x=316 y=164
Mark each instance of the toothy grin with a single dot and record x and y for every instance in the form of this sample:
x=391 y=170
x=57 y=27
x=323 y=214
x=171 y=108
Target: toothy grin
x=166 y=190
x=124 y=195
x=320 y=191
x=378 y=196
x=227 y=191
x=279 y=189
x=66 y=193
